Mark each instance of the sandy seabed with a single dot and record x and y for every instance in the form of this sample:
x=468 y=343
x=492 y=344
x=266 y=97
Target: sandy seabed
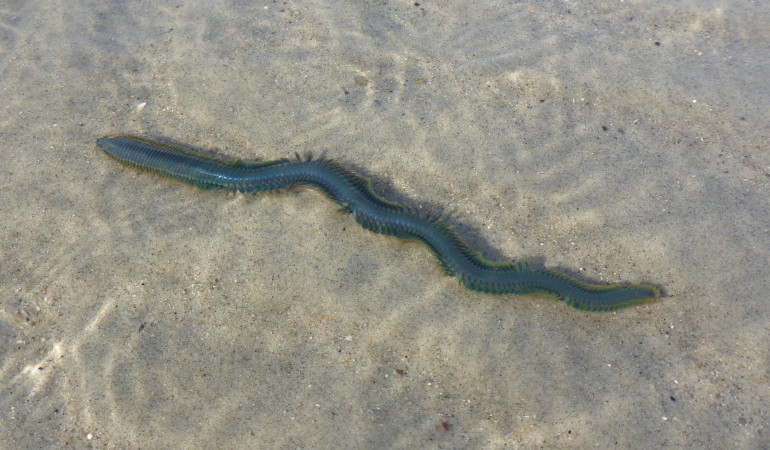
x=618 y=142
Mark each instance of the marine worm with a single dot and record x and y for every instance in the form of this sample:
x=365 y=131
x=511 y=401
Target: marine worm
x=354 y=194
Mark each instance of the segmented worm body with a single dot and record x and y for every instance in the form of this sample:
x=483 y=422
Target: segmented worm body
x=355 y=195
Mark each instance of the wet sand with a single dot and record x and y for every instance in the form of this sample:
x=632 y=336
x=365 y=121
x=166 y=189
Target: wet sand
x=618 y=144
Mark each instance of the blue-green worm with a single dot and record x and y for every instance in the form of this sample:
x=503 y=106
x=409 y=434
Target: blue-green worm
x=355 y=195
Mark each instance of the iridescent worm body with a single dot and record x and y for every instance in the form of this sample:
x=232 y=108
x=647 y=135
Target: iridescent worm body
x=355 y=195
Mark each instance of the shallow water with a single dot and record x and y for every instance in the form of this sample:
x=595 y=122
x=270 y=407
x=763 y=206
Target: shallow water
x=618 y=143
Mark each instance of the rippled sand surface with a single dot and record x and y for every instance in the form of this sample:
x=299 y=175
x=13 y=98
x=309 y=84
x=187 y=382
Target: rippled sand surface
x=625 y=142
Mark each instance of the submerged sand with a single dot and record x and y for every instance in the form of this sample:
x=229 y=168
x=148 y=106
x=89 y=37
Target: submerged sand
x=625 y=142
